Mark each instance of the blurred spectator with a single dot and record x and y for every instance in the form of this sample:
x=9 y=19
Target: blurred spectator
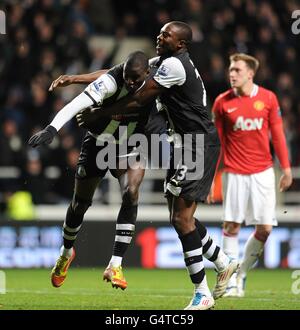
x=10 y=144
x=34 y=180
x=66 y=181
x=105 y=22
x=40 y=107
x=216 y=82
x=76 y=48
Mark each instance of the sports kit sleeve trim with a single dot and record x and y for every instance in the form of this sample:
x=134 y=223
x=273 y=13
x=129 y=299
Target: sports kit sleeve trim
x=102 y=88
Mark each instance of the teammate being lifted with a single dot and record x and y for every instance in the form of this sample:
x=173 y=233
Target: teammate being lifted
x=120 y=80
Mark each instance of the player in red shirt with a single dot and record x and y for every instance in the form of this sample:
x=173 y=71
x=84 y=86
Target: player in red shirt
x=244 y=116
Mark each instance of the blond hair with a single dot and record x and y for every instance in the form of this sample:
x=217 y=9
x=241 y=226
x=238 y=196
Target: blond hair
x=250 y=61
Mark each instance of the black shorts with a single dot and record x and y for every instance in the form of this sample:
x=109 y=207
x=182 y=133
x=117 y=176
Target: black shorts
x=87 y=166
x=192 y=180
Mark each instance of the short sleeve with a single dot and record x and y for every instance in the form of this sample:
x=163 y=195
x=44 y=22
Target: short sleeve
x=153 y=61
x=171 y=72
x=117 y=73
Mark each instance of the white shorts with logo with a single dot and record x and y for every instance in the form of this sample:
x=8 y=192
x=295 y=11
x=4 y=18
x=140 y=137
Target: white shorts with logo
x=250 y=198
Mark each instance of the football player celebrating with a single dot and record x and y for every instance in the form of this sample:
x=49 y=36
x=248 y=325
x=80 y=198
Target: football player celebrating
x=106 y=89
x=180 y=91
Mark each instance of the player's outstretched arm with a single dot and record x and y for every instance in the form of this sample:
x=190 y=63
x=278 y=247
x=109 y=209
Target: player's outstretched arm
x=66 y=80
x=94 y=94
x=47 y=135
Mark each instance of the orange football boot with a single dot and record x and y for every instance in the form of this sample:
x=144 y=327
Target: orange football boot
x=59 y=271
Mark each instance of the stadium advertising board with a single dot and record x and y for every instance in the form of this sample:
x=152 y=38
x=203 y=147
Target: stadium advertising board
x=155 y=245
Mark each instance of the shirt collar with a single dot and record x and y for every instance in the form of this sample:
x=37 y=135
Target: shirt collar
x=253 y=92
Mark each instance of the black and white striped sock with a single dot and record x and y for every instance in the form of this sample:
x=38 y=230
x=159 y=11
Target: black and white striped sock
x=70 y=231
x=192 y=249
x=125 y=229
x=71 y=227
x=210 y=249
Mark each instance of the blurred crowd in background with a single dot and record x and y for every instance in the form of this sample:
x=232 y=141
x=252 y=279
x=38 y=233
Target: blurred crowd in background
x=47 y=38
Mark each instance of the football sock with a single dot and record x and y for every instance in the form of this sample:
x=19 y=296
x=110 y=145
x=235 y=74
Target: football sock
x=253 y=249
x=73 y=221
x=66 y=252
x=125 y=229
x=71 y=227
x=230 y=245
x=203 y=287
x=115 y=261
x=192 y=249
x=211 y=251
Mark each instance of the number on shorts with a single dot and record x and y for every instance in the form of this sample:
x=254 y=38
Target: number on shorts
x=181 y=172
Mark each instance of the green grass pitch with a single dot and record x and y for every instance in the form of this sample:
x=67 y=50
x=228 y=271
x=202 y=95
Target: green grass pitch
x=147 y=290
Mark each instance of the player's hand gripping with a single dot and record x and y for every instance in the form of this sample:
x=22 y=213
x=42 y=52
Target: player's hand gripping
x=88 y=116
x=61 y=81
x=285 y=180
x=43 y=137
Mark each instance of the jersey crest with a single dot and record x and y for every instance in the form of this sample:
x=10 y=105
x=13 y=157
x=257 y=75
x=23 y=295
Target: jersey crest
x=259 y=105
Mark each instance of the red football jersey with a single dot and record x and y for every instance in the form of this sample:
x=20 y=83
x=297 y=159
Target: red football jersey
x=244 y=125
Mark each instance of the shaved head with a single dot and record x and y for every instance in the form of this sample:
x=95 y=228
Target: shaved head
x=183 y=31
x=137 y=59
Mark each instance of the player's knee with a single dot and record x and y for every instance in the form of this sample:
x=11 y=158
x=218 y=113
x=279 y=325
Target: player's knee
x=130 y=195
x=181 y=224
x=231 y=228
x=79 y=205
x=176 y=222
x=263 y=233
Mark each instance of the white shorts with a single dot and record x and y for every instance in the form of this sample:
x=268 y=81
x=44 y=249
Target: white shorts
x=250 y=198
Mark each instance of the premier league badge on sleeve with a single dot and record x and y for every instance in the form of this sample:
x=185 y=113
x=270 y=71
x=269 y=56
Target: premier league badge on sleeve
x=163 y=70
